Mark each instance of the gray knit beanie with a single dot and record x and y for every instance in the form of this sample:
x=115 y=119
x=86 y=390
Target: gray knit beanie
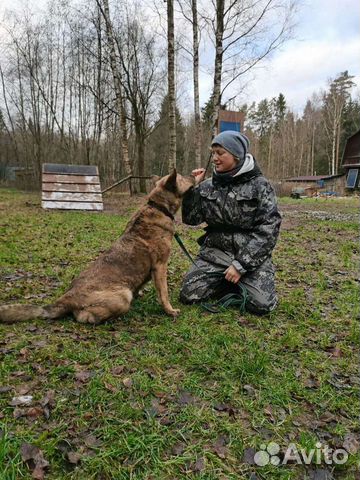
x=234 y=142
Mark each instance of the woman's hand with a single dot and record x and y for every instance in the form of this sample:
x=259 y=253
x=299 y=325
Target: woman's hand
x=232 y=275
x=199 y=174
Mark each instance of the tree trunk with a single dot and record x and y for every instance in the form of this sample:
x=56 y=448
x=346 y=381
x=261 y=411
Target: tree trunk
x=171 y=85
x=312 y=151
x=333 y=147
x=220 y=6
x=196 y=85
x=338 y=134
x=140 y=141
x=301 y=159
x=118 y=90
x=270 y=173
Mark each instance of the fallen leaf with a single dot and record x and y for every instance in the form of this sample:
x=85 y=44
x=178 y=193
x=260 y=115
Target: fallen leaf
x=178 y=448
x=19 y=412
x=268 y=410
x=225 y=407
x=21 y=400
x=220 y=447
x=185 y=398
x=198 y=466
x=150 y=372
x=25 y=388
x=49 y=399
x=40 y=343
x=327 y=417
x=248 y=456
x=116 y=371
x=34 y=457
x=166 y=421
x=92 y=442
x=5 y=389
x=38 y=473
x=351 y=443
x=31 y=328
x=83 y=376
x=334 y=352
x=160 y=394
x=110 y=387
x=281 y=414
x=63 y=446
x=320 y=474
x=303 y=419
x=250 y=390
x=311 y=382
x=74 y=457
x=34 y=412
x=127 y=382
x=339 y=380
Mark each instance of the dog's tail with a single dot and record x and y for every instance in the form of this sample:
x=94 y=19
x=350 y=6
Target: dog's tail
x=21 y=313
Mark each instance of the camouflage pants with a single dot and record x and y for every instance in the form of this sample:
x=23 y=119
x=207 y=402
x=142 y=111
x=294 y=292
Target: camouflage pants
x=199 y=285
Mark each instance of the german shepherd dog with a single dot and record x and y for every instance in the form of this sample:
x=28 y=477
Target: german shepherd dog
x=105 y=289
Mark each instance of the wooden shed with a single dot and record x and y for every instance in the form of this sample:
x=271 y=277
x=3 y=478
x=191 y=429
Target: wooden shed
x=71 y=187
x=316 y=184
x=351 y=162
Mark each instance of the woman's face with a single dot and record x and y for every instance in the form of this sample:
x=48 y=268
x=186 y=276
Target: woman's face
x=222 y=159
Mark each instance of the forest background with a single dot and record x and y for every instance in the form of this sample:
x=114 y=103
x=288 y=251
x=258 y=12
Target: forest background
x=90 y=83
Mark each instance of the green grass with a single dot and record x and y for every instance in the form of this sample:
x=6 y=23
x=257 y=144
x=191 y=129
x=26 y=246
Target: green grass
x=288 y=377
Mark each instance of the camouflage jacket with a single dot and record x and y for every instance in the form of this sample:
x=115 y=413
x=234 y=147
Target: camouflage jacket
x=242 y=217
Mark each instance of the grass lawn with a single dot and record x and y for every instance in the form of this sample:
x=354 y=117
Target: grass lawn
x=146 y=397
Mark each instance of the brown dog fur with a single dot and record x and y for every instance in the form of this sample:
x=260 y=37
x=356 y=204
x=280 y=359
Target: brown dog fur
x=107 y=286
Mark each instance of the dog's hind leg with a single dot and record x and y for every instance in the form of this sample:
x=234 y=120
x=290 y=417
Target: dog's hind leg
x=108 y=305
x=94 y=315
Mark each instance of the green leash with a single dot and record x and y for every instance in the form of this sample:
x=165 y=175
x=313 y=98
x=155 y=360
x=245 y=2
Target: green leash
x=183 y=248
x=229 y=300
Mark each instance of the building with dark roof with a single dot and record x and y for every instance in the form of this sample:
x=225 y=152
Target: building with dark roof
x=351 y=162
x=312 y=185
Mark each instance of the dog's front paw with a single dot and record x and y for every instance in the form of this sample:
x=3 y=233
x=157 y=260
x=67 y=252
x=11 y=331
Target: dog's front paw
x=174 y=312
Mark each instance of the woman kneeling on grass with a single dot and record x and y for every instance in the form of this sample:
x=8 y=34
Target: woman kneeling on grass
x=239 y=206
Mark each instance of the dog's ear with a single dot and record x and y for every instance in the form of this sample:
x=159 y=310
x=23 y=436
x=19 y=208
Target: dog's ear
x=154 y=179
x=170 y=183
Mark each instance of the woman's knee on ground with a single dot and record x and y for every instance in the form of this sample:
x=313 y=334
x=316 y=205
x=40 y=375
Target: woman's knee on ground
x=197 y=287
x=261 y=304
x=189 y=294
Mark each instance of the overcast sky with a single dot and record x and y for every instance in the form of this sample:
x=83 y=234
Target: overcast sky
x=327 y=42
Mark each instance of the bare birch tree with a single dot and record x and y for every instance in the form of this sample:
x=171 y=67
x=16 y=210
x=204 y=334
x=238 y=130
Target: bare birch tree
x=219 y=51
x=195 y=26
x=104 y=7
x=141 y=80
x=171 y=83
x=244 y=32
x=192 y=17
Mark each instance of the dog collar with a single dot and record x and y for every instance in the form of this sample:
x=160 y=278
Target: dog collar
x=161 y=209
